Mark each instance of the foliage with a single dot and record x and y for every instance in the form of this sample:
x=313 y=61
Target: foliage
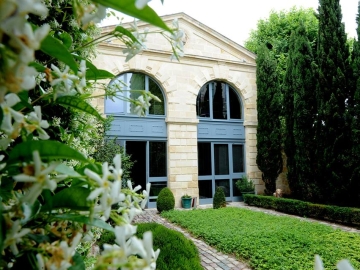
x=177 y=252
x=245 y=185
x=219 y=200
x=186 y=196
x=268 y=241
x=48 y=206
x=334 y=96
x=355 y=83
x=299 y=112
x=345 y=215
x=165 y=200
x=269 y=158
x=276 y=30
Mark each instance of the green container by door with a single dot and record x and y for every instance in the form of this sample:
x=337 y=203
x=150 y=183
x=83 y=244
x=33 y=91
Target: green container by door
x=186 y=202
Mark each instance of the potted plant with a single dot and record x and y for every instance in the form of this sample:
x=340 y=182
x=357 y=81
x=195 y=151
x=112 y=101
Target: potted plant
x=245 y=185
x=186 y=201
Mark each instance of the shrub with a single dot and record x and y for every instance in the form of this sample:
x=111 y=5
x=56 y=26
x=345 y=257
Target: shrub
x=165 y=200
x=219 y=198
x=345 y=215
x=245 y=185
x=176 y=251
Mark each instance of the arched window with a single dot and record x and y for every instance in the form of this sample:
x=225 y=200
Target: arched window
x=221 y=141
x=130 y=85
x=218 y=100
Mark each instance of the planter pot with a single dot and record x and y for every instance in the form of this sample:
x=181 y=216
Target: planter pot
x=186 y=202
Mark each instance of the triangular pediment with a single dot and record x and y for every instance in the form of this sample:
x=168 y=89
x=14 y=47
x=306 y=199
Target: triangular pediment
x=200 y=41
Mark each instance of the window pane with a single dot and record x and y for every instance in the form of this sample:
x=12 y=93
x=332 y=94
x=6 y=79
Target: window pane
x=157 y=159
x=238 y=158
x=157 y=108
x=204 y=158
x=116 y=106
x=136 y=81
x=156 y=187
x=221 y=159
x=202 y=102
x=235 y=109
x=236 y=191
x=219 y=101
x=205 y=189
x=225 y=185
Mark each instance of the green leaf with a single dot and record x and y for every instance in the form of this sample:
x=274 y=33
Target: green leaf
x=37 y=66
x=86 y=220
x=49 y=150
x=72 y=198
x=79 y=104
x=147 y=14
x=62 y=168
x=24 y=103
x=56 y=49
x=93 y=73
x=78 y=262
x=125 y=32
x=65 y=39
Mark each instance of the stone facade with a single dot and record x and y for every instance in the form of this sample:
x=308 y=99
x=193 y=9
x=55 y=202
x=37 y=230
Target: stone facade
x=208 y=56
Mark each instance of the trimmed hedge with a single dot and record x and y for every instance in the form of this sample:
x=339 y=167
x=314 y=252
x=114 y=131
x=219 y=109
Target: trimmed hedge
x=344 y=215
x=219 y=198
x=176 y=251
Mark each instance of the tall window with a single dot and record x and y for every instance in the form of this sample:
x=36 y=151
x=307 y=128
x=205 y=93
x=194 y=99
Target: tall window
x=218 y=100
x=131 y=85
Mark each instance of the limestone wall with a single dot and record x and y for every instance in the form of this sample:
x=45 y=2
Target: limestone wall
x=208 y=56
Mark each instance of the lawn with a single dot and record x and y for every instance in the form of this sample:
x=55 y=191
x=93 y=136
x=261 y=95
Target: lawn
x=267 y=241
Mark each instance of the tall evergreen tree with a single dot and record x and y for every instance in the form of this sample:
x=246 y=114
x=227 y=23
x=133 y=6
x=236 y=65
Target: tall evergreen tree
x=333 y=92
x=269 y=158
x=355 y=178
x=301 y=85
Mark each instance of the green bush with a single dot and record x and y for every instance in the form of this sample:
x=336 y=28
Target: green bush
x=345 y=215
x=245 y=185
x=176 y=251
x=165 y=200
x=219 y=198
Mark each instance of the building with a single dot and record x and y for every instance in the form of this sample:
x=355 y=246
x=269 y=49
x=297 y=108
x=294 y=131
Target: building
x=203 y=133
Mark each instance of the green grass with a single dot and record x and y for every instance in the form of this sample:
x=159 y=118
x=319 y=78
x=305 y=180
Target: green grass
x=267 y=241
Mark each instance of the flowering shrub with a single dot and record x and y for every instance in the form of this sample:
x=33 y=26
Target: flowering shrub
x=48 y=207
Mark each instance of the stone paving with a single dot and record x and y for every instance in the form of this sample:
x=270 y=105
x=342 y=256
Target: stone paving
x=211 y=258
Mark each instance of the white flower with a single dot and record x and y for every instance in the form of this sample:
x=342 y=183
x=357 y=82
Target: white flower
x=40 y=178
x=35 y=122
x=140 y=4
x=82 y=76
x=14 y=236
x=19 y=77
x=63 y=77
x=342 y=265
x=142 y=105
x=64 y=253
x=36 y=7
x=94 y=17
x=133 y=50
x=6 y=9
x=146 y=194
x=2 y=165
x=117 y=170
x=9 y=113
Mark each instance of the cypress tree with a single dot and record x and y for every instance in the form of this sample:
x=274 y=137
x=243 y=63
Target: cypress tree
x=302 y=84
x=288 y=113
x=332 y=92
x=269 y=158
x=355 y=178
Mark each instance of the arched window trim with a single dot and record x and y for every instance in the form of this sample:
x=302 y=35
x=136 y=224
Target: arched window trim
x=211 y=89
x=125 y=105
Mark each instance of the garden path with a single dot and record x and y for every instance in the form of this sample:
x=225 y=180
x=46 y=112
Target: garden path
x=211 y=259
